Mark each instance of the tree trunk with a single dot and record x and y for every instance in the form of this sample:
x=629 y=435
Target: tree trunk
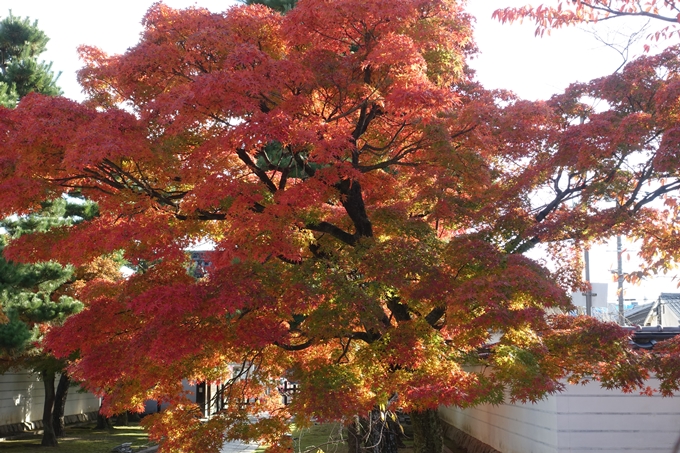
x=427 y=432
x=122 y=419
x=379 y=438
x=49 y=438
x=396 y=429
x=373 y=434
x=389 y=424
x=354 y=430
x=102 y=421
x=60 y=404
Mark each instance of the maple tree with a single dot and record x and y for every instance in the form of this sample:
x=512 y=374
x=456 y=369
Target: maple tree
x=629 y=120
x=369 y=204
x=571 y=12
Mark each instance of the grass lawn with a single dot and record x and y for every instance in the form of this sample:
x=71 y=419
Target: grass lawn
x=82 y=439
x=329 y=437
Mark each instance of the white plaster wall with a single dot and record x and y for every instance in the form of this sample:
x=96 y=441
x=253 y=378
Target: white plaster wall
x=582 y=419
x=77 y=402
x=593 y=419
x=22 y=396
x=509 y=428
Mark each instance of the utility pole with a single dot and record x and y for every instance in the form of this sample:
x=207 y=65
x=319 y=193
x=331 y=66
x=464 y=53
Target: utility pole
x=589 y=291
x=619 y=252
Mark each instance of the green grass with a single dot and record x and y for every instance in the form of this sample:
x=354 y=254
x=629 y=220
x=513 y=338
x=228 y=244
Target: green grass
x=81 y=439
x=329 y=437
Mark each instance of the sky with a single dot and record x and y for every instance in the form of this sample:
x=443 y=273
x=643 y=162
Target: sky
x=510 y=57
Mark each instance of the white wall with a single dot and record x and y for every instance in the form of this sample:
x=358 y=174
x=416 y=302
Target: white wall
x=583 y=419
x=78 y=402
x=22 y=396
x=509 y=428
x=592 y=419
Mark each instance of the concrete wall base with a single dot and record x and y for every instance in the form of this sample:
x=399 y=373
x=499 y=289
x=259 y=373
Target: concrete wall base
x=36 y=425
x=465 y=441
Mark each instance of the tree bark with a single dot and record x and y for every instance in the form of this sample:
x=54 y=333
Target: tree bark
x=122 y=419
x=354 y=430
x=60 y=405
x=49 y=438
x=103 y=422
x=373 y=434
x=379 y=437
x=390 y=441
x=428 y=436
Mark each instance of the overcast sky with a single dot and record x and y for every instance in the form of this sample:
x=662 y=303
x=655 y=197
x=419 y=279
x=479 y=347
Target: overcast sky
x=510 y=57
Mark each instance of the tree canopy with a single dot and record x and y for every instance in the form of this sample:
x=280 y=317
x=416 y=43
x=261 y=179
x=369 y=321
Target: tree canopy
x=571 y=12
x=30 y=292
x=34 y=296
x=21 y=42
x=369 y=205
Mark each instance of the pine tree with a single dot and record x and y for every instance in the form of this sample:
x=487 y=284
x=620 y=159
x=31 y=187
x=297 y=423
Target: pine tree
x=35 y=296
x=30 y=294
x=21 y=42
x=282 y=6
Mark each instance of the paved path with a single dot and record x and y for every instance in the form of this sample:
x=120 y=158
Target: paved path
x=238 y=447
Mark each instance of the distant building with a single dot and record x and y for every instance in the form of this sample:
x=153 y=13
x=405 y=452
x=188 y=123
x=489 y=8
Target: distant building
x=599 y=293
x=200 y=262
x=665 y=312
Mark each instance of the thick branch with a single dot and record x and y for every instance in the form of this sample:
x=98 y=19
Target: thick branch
x=261 y=174
x=336 y=232
x=295 y=347
x=434 y=316
x=366 y=337
x=353 y=203
x=399 y=311
x=666 y=188
x=365 y=118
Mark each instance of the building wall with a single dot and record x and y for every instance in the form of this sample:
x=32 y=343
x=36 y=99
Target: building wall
x=593 y=419
x=508 y=428
x=583 y=419
x=22 y=396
